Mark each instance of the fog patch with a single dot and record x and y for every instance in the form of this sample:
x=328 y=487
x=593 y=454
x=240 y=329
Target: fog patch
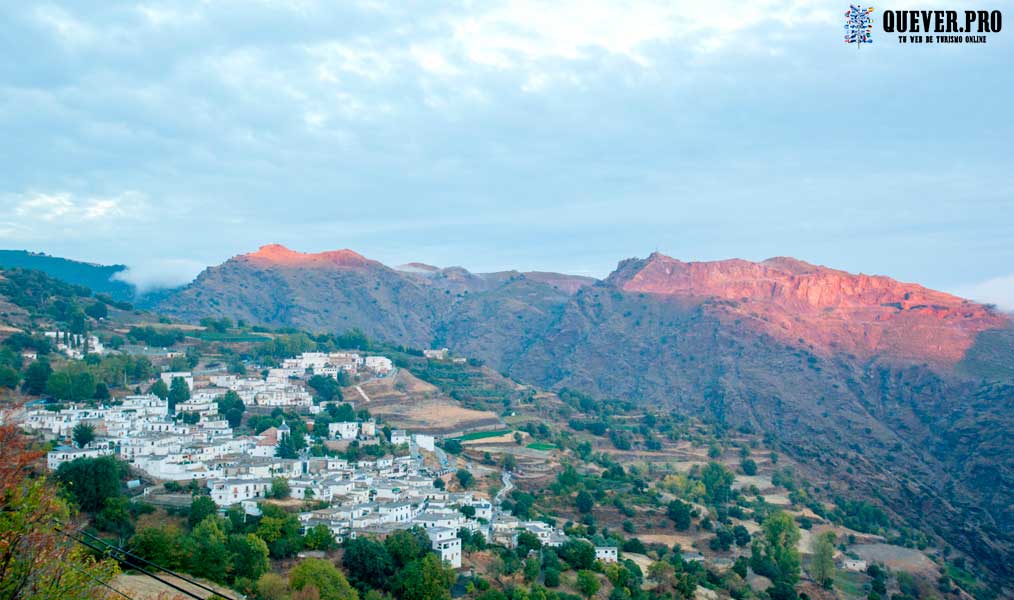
x=159 y=274
x=998 y=291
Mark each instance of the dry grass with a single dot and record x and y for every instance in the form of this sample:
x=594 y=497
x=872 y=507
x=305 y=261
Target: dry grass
x=142 y=587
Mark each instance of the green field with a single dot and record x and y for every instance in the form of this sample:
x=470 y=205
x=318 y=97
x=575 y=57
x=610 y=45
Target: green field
x=542 y=446
x=212 y=336
x=481 y=435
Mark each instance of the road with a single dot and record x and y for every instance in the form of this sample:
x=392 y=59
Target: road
x=508 y=485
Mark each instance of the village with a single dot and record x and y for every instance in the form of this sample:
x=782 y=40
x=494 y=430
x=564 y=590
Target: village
x=374 y=495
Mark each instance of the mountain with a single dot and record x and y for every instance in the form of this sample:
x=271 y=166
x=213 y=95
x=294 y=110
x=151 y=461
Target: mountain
x=339 y=290
x=888 y=389
x=824 y=309
x=99 y=278
x=841 y=369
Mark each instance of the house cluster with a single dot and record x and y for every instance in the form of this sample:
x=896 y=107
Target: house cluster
x=75 y=345
x=140 y=431
x=443 y=354
x=330 y=364
x=376 y=496
x=380 y=497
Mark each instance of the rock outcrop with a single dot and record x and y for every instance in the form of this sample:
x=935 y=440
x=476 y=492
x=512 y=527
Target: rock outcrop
x=826 y=310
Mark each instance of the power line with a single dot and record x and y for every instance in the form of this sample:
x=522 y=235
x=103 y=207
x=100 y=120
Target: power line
x=159 y=567
x=135 y=566
x=99 y=581
x=136 y=558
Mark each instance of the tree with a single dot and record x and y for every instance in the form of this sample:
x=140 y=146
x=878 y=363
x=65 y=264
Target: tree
x=528 y=542
x=406 y=546
x=749 y=466
x=326 y=388
x=679 y=512
x=91 y=480
x=822 y=567
x=231 y=406
x=209 y=557
x=323 y=576
x=424 y=579
x=662 y=573
x=352 y=339
x=776 y=555
x=587 y=583
x=717 y=482
x=82 y=386
x=59 y=385
x=584 y=502
x=509 y=462
x=280 y=531
x=101 y=391
x=201 y=507
x=551 y=577
x=742 y=535
x=161 y=545
x=179 y=392
x=368 y=563
x=98 y=310
x=83 y=434
x=532 y=568
x=280 y=488
x=9 y=377
x=160 y=389
x=115 y=518
x=319 y=537
x=249 y=556
x=579 y=554
x=286 y=447
x=36 y=560
x=271 y=586
x=452 y=446
x=36 y=376
x=464 y=477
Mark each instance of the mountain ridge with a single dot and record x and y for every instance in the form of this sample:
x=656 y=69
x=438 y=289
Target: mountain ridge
x=830 y=364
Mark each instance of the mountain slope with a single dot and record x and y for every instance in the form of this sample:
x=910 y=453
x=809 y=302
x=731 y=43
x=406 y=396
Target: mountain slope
x=335 y=291
x=825 y=309
x=98 y=278
x=932 y=445
x=892 y=390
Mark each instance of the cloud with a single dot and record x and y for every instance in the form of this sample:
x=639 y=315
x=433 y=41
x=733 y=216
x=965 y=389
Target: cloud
x=149 y=275
x=706 y=129
x=35 y=215
x=998 y=291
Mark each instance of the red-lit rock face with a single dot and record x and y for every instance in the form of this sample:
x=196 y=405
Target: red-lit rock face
x=831 y=310
x=276 y=254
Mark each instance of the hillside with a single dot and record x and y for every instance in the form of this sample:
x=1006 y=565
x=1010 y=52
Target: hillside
x=876 y=380
x=99 y=278
x=335 y=291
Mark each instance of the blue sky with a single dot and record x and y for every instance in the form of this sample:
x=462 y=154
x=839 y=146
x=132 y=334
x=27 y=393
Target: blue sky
x=558 y=136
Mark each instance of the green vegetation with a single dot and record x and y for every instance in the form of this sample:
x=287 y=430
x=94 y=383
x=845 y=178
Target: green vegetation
x=541 y=446
x=481 y=435
x=596 y=496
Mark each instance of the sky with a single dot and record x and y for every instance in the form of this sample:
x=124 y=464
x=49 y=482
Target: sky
x=564 y=136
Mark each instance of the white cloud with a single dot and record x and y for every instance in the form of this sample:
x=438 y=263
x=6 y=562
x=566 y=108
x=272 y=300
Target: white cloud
x=160 y=273
x=41 y=215
x=65 y=26
x=998 y=291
